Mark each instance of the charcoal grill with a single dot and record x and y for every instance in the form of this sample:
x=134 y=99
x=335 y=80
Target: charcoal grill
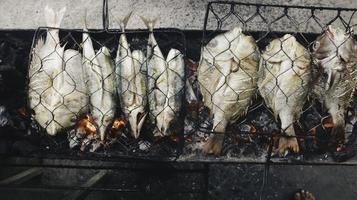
x=33 y=163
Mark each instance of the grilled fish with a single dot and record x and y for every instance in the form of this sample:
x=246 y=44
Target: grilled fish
x=335 y=52
x=176 y=84
x=52 y=95
x=227 y=75
x=157 y=79
x=285 y=73
x=165 y=84
x=100 y=78
x=131 y=82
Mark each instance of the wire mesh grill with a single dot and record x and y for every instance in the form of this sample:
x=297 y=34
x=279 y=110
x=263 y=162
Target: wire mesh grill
x=251 y=134
x=90 y=86
x=235 y=66
x=298 y=47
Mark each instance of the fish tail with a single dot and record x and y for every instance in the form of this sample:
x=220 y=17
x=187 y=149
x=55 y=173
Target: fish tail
x=149 y=22
x=123 y=22
x=39 y=44
x=52 y=18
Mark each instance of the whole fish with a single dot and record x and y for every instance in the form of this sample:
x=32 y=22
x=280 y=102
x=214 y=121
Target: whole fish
x=165 y=84
x=227 y=75
x=335 y=52
x=157 y=80
x=56 y=86
x=285 y=73
x=100 y=78
x=131 y=82
x=175 y=93
x=69 y=85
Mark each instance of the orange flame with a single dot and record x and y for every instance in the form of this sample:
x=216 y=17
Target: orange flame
x=118 y=123
x=87 y=126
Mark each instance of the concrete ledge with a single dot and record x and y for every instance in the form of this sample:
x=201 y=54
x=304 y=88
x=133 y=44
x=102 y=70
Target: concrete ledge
x=184 y=14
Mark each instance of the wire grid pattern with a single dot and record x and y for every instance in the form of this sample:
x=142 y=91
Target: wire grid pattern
x=263 y=124
x=296 y=47
x=86 y=80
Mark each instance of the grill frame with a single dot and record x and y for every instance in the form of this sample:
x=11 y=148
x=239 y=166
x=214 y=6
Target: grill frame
x=131 y=162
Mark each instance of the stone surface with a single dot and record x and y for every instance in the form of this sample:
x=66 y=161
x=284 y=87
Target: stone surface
x=184 y=14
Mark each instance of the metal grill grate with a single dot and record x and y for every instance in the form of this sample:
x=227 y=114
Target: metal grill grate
x=249 y=140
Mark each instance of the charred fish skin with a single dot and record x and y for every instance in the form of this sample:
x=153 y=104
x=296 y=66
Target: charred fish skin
x=157 y=80
x=285 y=72
x=227 y=75
x=131 y=82
x=335 y=52
x=46 y=63
x=98 y=68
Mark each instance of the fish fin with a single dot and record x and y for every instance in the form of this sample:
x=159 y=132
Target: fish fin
x=52 y=18
x=149 y=22
x=39 y=44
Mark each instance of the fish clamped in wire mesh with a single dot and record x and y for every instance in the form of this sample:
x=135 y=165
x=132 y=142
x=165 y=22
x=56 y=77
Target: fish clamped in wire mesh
x=94 y=85
x=306 y=77
x=227 y=75
x=166 y=84
x=335 y=52
x=56 y=92
x=284 y=82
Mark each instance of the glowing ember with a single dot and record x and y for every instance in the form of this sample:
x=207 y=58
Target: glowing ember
x=252 y=129
x=340 y=147
x=22 y=111
x=87 y=126
x=175 y=138
x=118 y=123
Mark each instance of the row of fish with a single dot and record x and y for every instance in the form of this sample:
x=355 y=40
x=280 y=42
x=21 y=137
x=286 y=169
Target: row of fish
x=232 y=68
x=65 y=84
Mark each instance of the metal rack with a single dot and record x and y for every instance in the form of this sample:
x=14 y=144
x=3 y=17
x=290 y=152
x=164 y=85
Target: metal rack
x=107 y=163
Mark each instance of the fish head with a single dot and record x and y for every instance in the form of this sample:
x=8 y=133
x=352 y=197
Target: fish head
x=333 y=52
x=136 y=120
